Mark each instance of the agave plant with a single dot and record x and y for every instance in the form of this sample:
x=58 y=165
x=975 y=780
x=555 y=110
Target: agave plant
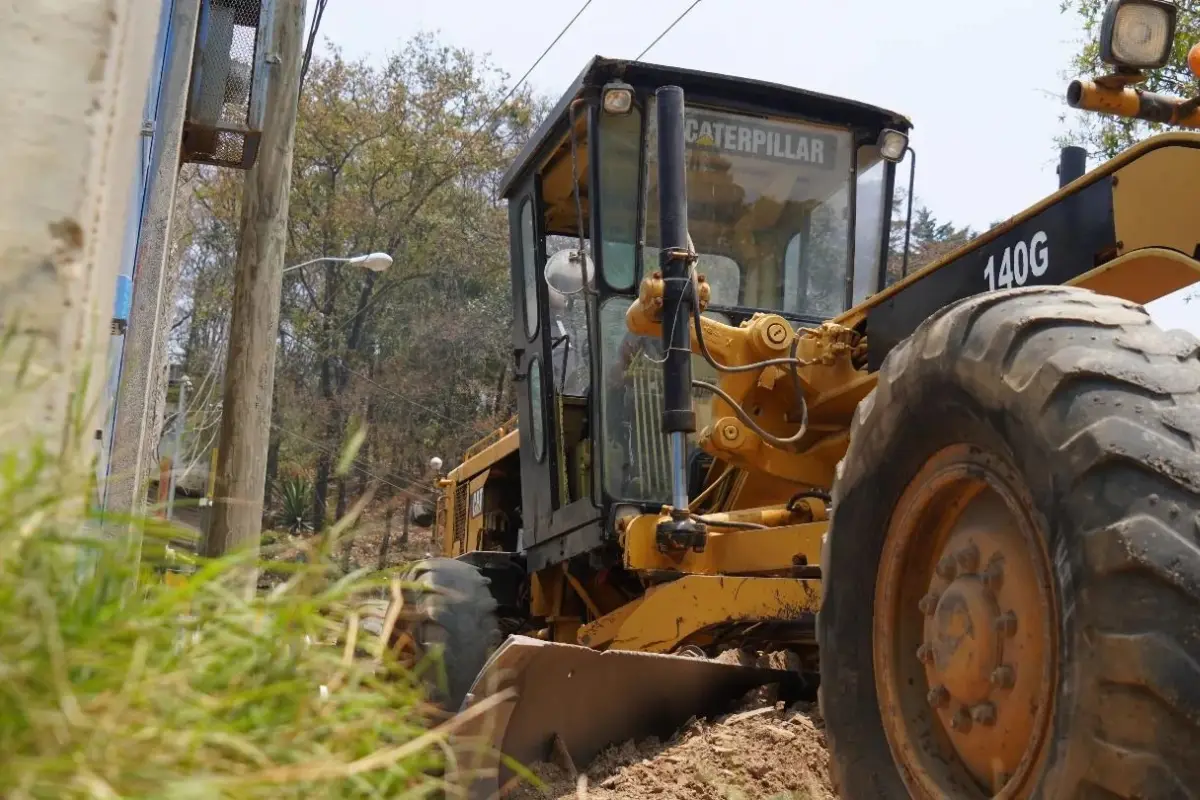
x=295 y=504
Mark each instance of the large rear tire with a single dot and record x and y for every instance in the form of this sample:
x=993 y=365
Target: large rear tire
x=1022 y=489
x=452 y=623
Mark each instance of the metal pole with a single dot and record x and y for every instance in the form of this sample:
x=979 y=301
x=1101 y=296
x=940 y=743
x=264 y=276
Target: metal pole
x=678 y=418
x=133 y=440
x=912 y=177
x=180 y=422
x=1072 y=164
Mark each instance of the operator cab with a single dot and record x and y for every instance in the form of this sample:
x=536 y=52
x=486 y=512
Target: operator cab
x=789 y=209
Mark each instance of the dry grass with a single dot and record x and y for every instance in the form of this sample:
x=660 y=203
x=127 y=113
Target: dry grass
x=191 y=690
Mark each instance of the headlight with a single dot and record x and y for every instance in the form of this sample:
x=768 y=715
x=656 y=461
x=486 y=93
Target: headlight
x=892 y=145
x=1137 y=34
x=618 y=98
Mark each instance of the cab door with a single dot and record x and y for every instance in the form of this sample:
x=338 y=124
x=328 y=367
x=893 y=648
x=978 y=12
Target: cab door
x=532 y=377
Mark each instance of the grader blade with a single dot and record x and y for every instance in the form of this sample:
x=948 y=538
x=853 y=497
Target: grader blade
x=576 y=700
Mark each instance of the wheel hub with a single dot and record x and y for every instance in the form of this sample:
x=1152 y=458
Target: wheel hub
x=962 y=636
x=964 y=588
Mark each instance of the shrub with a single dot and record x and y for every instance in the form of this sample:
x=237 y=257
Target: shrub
x=295 y=504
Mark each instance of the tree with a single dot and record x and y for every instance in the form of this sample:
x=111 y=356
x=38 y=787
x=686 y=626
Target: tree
x=402 y=158
x=929 y=239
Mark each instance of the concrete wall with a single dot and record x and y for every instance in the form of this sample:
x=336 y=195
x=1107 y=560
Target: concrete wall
x=71 y=111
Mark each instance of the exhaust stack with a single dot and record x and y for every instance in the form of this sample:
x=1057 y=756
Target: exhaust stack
x=675 y=261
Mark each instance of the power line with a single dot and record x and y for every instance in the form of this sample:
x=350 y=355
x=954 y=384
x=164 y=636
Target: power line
x=529 y=71
x=667 y=30
x=318 y=13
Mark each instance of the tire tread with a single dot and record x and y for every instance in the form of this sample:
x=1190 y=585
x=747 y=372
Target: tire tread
x=1117 y=402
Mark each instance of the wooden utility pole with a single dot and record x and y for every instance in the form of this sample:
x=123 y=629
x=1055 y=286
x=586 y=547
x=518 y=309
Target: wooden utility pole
x=254 y=320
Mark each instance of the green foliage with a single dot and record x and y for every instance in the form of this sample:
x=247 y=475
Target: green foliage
x=1105 y=136
x=929 y=240
x=295 y=504
x=190 y=690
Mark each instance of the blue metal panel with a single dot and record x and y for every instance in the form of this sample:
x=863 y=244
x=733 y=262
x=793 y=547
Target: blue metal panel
x=124 y=298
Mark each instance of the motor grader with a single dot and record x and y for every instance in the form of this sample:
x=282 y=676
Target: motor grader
x=966 y=501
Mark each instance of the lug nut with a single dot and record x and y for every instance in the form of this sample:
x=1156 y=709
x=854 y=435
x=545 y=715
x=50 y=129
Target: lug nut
x=968 y=558
x=929 y=603
x=993 y=575
x=984 y=714
x=1003 y=677
x=938 y=697
x=961 y=721
x=1006 y=624
x=925 y=654
x=946 y=569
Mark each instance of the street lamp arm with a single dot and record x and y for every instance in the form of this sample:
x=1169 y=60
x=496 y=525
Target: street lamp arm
x=316 y=261
x=376 y=262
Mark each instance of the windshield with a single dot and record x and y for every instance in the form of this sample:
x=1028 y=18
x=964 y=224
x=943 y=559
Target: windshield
x=769 y=214
x=768 y=210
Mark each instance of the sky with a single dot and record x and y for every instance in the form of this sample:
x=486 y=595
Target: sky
x=983 y=80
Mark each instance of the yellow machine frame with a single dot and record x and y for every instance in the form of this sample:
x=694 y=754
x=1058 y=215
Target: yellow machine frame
x=1154 y=193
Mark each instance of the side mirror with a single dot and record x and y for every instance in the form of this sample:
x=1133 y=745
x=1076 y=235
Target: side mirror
x=568 y=270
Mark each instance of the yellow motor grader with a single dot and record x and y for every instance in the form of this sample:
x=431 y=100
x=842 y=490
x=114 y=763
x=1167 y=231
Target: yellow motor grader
x=967 y=501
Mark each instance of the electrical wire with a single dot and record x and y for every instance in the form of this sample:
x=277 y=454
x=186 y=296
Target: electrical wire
x=769 y=438
x=667 y=30
x=791 y=360
x=312 y=38
x=491 y=116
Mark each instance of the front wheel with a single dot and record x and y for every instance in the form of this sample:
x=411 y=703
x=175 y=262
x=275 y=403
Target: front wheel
x=1022 y=490
x=450 y=627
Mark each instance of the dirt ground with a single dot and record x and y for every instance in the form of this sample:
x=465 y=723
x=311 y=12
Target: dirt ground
x=764 y=751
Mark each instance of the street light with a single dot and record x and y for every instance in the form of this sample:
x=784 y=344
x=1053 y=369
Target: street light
x=376 y=262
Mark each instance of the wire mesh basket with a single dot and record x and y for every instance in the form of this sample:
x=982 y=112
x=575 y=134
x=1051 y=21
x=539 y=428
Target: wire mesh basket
x=225 y=99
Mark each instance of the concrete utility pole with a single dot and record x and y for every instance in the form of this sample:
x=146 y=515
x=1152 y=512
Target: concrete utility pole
x=136 y=417
x=254 y=321
x=71 y=113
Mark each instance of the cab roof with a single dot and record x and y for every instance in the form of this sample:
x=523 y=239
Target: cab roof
x=738 y=94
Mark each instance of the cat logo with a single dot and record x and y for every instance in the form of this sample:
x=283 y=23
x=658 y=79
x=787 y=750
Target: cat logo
x=790 y=143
